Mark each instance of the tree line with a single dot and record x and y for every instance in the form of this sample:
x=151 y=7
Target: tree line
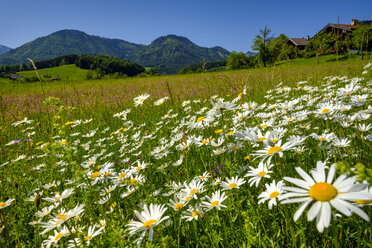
x=271 y=50
x=100 y=64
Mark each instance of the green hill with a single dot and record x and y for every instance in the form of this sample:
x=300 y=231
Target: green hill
x=64 y=72
x=168 y=53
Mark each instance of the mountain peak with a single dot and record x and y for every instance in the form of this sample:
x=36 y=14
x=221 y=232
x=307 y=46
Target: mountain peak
x=162 y=39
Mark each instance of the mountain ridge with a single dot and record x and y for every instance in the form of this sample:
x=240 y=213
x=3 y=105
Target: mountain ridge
x=4 y=49
x=168 y=53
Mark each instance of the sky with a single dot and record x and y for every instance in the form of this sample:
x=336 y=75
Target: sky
x=231 y=24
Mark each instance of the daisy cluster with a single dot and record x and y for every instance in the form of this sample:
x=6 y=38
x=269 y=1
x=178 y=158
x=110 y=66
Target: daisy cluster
x=197 y=158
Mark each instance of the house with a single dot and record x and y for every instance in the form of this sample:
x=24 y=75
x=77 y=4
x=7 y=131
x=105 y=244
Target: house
x=342 y=29
x=299 y=43
x=15 y=76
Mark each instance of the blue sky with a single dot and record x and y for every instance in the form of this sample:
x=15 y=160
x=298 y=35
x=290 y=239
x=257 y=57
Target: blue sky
x=231 y=24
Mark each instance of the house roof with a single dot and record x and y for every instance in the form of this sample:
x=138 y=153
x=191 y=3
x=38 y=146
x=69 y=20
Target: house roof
x=299 y=41
x=346 y=27
x=341 y=26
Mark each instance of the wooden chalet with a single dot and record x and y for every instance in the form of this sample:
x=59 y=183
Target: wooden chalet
x=299 y=43
x=342 y=29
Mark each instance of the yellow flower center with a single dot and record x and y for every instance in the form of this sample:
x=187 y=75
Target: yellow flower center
x=274 y=194
x=274 y=140
x=58 y=237
x=215 y=203
x=363 y=201
x=133 y=180
x=178 y=206
x=63 y=217
x=274 y=149
x=262 y=138
x=95 y=174
x=88 y=237
x=230 y=133
x=232 y=185
x=321 y=138
x=188 y=198
x=234 y=148
x=122 y=175
x=195 y=213
x=347 y=93
x=142 y=100
x=247 y=157
x=200 y=119
x=138 y=168
x=202 y=177
x=263 y=126
x=149 y=223
x=193 y=191
x=218 y=131
x=262 y=173
x=323 y=192
x=2 y=204
x=325 y=110
x=204 y=142
x=106 y=174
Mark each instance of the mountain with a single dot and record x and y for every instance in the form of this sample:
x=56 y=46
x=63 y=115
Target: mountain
x=168 y=53
x=4 y=49
x=171 y=53
x=251 y=54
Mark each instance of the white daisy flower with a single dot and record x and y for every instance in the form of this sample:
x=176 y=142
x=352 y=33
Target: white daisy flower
x=140 y=99
x=256 y=174
x=148 y=219
x=320 y=191
x=215 y=201
x=272 y=193
x=232 y=183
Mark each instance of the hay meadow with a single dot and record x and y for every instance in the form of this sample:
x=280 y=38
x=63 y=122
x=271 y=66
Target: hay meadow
x=263 y=157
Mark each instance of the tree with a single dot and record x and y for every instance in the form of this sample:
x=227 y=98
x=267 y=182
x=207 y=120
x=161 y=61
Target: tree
x=261 y=44
x=238 y=61
x=280 y=50
x=360 y=38
x=321 y=44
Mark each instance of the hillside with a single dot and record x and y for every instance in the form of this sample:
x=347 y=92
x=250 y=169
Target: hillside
x=168 y=53
x=64 y=72
x=4 y=49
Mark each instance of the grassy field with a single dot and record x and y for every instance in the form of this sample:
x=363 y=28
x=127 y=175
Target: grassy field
x=229 y=159
x=64 y=72
x=92 y=95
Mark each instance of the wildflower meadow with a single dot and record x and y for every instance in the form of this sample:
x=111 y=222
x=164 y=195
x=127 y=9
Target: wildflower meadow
x=292 y=168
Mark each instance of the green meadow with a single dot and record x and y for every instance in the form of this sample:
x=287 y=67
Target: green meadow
x=263 y=157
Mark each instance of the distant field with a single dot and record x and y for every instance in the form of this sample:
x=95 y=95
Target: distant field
x=21 y=99
x=64 y=72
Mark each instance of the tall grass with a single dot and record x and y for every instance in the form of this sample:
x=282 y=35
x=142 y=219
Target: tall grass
x=74 y=141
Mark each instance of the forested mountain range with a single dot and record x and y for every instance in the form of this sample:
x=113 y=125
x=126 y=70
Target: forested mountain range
x=4 y=49
x=168 y=53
